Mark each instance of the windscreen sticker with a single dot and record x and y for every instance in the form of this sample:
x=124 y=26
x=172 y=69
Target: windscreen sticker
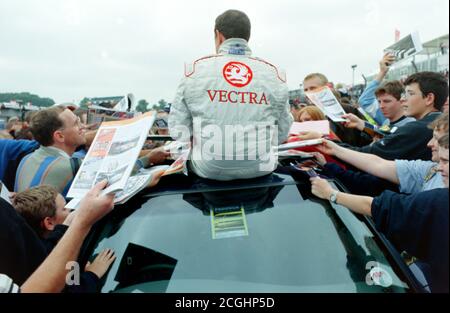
x=228 y=222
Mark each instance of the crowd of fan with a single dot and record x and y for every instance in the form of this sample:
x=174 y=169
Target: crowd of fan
x=396 y=172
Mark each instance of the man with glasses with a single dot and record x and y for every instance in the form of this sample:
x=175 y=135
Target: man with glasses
x=424 y=97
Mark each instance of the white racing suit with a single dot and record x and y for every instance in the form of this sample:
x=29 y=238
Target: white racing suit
x=235 y=109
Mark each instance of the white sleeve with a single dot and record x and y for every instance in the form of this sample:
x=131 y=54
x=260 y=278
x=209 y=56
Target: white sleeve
x=180 y=118
x=285 y=118
x=7 y=285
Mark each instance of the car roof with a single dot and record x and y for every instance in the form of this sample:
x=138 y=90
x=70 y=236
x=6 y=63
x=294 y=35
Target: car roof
x=179 y=224
x=176 y=184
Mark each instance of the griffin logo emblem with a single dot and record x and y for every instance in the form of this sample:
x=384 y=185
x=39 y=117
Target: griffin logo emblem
x=237 y=74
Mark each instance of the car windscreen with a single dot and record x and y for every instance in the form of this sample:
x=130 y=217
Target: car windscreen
x=268 y=239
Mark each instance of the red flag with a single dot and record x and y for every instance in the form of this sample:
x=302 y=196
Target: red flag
x=397 y=35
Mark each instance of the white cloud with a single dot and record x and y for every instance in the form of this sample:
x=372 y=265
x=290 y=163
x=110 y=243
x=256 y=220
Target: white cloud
x=75 y=48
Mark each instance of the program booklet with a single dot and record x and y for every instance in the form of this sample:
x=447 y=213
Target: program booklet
x=4 y=193
x=406 y=47
x=299 y=144
x=112 y=155
x=138 y=182
x=325 y=100
x=145 y=177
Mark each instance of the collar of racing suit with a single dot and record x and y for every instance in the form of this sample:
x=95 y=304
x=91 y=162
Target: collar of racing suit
x=236 y=46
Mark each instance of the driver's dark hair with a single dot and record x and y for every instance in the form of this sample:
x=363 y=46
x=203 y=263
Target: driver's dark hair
x=233 y=24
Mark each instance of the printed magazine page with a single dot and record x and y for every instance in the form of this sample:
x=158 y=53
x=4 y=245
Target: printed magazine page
x=180 y=164
x=299 y=144
x=325 y=100
x=146 y=177
x=138 y=182
x=4 y=193
x=112 y=155
x=406 y=47
x=293 y=153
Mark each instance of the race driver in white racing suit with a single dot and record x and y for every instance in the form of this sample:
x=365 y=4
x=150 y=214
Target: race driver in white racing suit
x=233 y=107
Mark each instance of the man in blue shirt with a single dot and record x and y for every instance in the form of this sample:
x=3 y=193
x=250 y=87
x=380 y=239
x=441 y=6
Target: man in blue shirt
x=11 y=152
x=389 y=96
x=368 y=100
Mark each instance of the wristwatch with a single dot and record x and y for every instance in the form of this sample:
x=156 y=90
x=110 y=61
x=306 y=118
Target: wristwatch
x=333 y=196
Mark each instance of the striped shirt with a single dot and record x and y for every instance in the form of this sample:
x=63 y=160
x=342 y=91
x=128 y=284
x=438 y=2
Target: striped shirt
x=7 y=285
x=52 y=166
x=46 y=165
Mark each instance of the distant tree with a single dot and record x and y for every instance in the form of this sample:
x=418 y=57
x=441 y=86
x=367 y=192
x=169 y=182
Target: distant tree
x=162 y=103
x=83 y=103
x=142 y=106
x=160 y=106
x=26 y=97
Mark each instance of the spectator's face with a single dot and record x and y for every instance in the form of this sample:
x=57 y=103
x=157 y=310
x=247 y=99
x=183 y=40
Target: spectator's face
x=392 y=108
x=73 y=129
x=433 y=144
x=312 y=84
x=443 y=164
x=61 y=211
x=12 y=124
x=18 y=126
x=305 y=117
x=415 y=103
x=445 y=107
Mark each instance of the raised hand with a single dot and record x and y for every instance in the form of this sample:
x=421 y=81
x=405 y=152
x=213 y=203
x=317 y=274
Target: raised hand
x=101 y=263
x=353 y=121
